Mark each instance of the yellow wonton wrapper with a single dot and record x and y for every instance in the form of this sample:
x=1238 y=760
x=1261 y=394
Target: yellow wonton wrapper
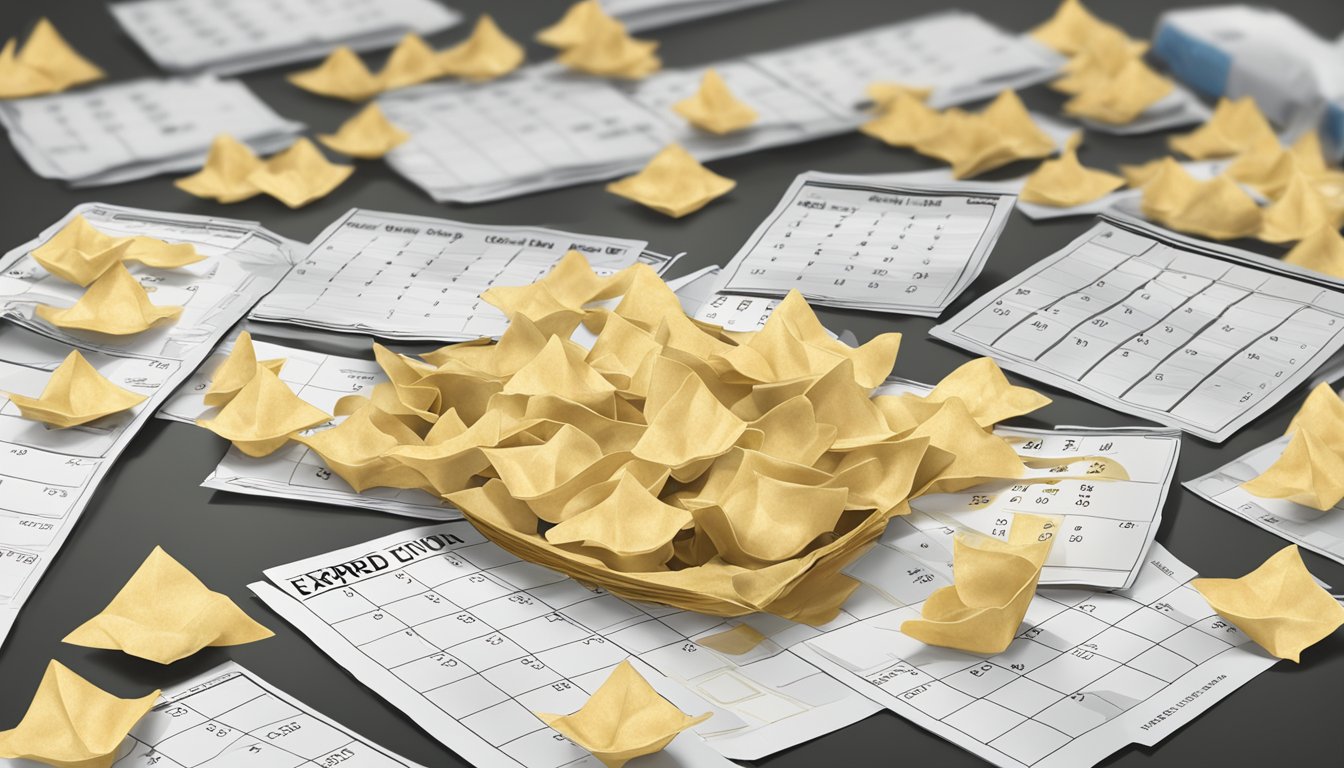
x=342 y=75
x=624 y=719
x=368 y=135
x=1278 y=605
x=164 y=613
x=1071 y=29
x=903 y=120
x=993 y=583
x=1322 y=413
x=1309 y=473
x=582 y=22
x=1122 y=98
x=631 y=529
x=1321 y=251
x=486 y=55
x=45 y=64
x=72 y=723
x=75 y=394
x=357 y=450
x=263 y=415
x=974 y=143
x=1218 y=209
x=411 y=62
x=1298 y=212
x=1106 y=53
x=236 y=371
x=115 y=304
x=1234 y=127
x=1064 y=182
x=884 y=94
x=299 y=175
x=1167 y=190
x=714 y=108
x=673 y=183
x=79 y=253
x=226 y=173
x=612 y=52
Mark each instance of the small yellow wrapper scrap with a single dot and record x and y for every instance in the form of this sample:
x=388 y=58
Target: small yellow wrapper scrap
x=225 y=177
x=582 y=22
x=624 y=719
x=1065 y=182
x=299 y=175
x=1218 y=209
x=45 y=64
x=79 y=253
x=714 y=108
x=75 y=394
x=1071 y=29
x=1234 y=127
x=342 y=75
x=612 y=52
x=486 y=55
x=164 y=613
x=1321 y=251
x=72 y=723
x=1122 y=98
x=236 y=371
x=368 y=135
x=1299 y=211
x=263 y=415
x=673 y=183
x=904 y=121
x=1278 y=605
x=412 y=62
x=115 y=304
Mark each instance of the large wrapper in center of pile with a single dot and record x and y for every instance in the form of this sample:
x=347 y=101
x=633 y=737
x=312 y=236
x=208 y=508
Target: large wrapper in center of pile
x=671 y=461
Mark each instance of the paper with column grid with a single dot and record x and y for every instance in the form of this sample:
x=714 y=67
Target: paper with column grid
x=467 y=640
x=1088 y=673
x=1183 y=332
x=48 y=476
x=230 y=716
x=406 y=277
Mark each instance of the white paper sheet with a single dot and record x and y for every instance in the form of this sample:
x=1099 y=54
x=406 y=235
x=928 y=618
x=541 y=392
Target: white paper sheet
x=649 y=14
x=120 y=131
x=466 y=640
x=1183 y=332
x=50 y=475
x=1089 y=672
x=236 y=36
x=418 y=278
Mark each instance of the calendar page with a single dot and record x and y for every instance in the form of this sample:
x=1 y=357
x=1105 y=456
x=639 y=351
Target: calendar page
x=1321 y=532
x=648 y=14
x=846 y=241
x=1089 y=672
x=1176 y=330
x=228 y=716
x=418 y=278
x=48 y=476
x=127 y=130
x=468 y=641
x=232 y=36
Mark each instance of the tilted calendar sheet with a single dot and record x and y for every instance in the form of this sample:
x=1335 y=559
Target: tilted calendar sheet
x=545 y=127
x=406 y=277
x=232 y=36
x=846 y=241
x=639 y=15
x=1180 y=331
x=228 y=716
x=468 y=641
x=48 y=476
x=1321 y=532
x=120 y=131
x=1089 y=672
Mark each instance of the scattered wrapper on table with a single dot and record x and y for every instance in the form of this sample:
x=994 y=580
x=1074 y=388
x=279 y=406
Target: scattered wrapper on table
x=673 y=183
x=368 y=135
x=115 y=304
x=164 y=614
x=714 y=108
x=1234 y=127
x=45 y=64
x=993 y=583
x=299 y=175
x=1278 y=605
x=1064 y=182
x=1321 y=251
x=1311 y=470
x=342 y=75
x=263 y=415
x=226 y=175
x=239 y=368
x=80 y=254
x=486 y=55
x=72 y=723
x=624 y=719
x=75 y=394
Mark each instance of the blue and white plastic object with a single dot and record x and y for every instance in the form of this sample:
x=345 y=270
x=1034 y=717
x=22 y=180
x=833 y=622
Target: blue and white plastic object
x=1295 y=75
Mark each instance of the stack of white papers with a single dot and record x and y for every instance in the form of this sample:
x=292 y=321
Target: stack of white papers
x=405 y=277
x=1177 y=330
x=50 y=475
x=647 y=14
x=123 y=131
x=244 y=35
x=546 y=127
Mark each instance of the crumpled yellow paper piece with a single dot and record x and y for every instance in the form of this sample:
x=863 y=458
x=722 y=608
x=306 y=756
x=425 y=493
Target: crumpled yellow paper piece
x=411 y=62
x=342 y=75
x=75 y=394
x=164 y=613
x=486 y=55
x=115 y=304
x=611 y=52
x=1104 y=55
x=715 y=108
x=236 y=371
x=993 y=584
x=299 y=175
x=582 y=22
x=624 y=719
x=974 y=143
x=225 y=177
x=45 y=64
x=72 y=723
x=673 y=183
x=368 y=135
x=1235 y=126
x=1218 y=209
x=1311 y=469
x=1321 y=251
x=1071 y=29
x=80 y=254
x=1298 y=212
x=1167 y=188
x=263 y=415
x=1322 y=412
x=1278 y=605
x=1121 y=98
x=356 y=448
x=903 y=120
x=1065 y=182
x=631 y=528
x=884 y=94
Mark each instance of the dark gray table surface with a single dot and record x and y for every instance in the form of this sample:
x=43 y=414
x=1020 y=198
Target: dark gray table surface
x=1292 y=713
